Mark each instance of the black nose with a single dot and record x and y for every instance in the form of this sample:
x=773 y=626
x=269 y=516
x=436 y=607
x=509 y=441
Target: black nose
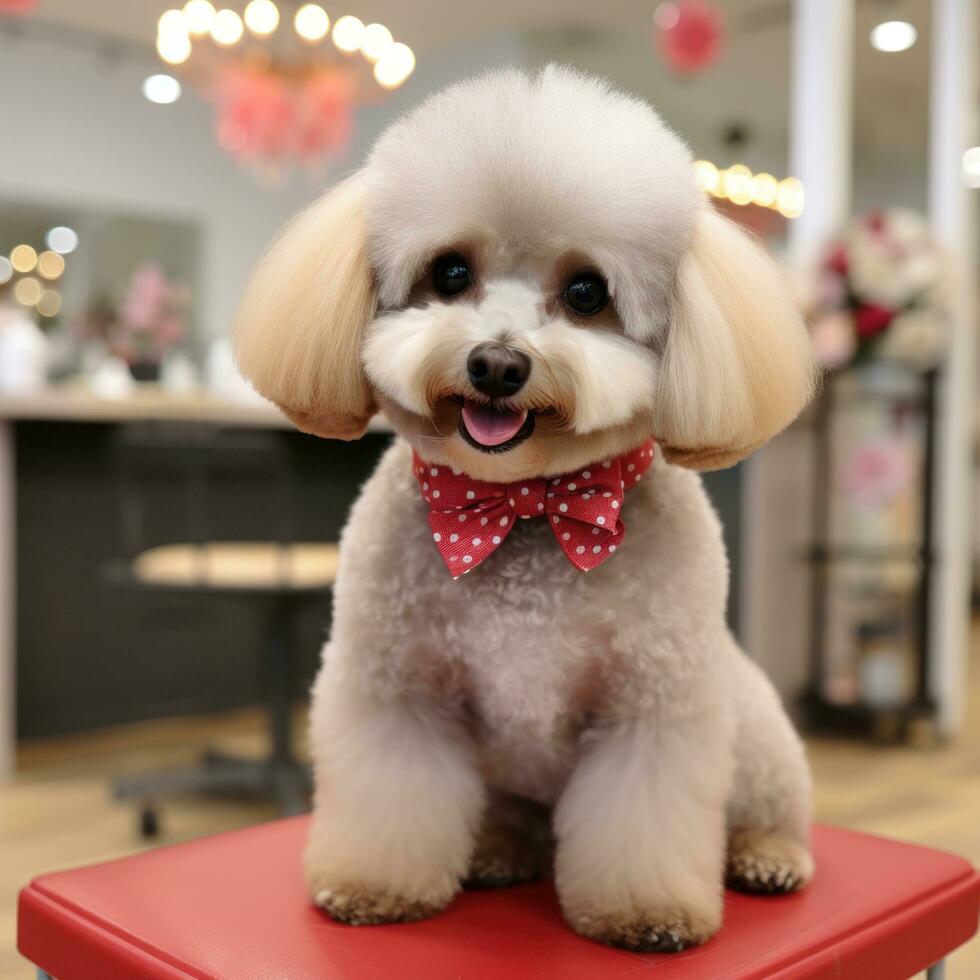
x=497 y=370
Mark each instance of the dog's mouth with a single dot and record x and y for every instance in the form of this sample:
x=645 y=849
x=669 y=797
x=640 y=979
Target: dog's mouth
x=494 y=428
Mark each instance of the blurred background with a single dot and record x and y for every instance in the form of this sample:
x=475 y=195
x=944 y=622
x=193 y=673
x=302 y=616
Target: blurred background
x=167 y=543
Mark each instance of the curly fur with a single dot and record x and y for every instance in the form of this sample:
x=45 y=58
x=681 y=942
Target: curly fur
x=618 y=700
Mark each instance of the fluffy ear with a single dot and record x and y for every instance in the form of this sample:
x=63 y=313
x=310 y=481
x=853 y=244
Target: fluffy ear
x=737 y=366
x=299 y=327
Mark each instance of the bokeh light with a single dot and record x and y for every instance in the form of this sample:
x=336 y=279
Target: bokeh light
x=312 y=23
x=161 y=89
x=227 y=28
x=23 y=258
x=348 y=33
x=28 y=291
x=198 y=17
x=61 y=239
x=174 y=48
x=50 y=303
x=262 y=17
x=376 y=41
x=6 y=269
x=50 y=265
x=395 y=66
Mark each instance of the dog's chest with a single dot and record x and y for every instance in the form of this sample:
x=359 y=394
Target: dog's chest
x=530 y=659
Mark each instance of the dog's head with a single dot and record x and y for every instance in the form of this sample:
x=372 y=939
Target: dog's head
x=525 y=277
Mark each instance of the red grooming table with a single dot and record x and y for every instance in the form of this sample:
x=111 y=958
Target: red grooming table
x=234 y=907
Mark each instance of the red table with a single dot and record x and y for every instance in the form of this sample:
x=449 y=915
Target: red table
x=234 y=907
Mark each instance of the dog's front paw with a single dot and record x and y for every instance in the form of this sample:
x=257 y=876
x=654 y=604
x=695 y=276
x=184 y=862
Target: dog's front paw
x=662 y=930
x=362 y=907
x=762 y=863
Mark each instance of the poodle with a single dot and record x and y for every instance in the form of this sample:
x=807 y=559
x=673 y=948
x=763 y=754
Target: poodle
x=529 y=669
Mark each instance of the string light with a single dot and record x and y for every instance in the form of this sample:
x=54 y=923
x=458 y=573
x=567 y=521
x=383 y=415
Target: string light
x=23 y=258
x=312 y=23
x=161 y=89
x=174 y=48
x=376 y=41
x=198 y=16
x=740 y=186
x=348 y=33
x=6 y=269
x=262 y=17
x=227 y=28
x=395 y=65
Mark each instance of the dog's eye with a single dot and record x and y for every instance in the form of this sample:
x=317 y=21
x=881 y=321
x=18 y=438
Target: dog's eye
x=451 y=274
x=586 y=293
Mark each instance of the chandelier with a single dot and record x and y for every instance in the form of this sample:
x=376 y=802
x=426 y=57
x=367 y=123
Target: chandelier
x=284 y=93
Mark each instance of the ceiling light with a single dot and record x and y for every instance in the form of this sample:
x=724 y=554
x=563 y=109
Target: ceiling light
x=161 y=89
x=61 y=239
x=893 y=35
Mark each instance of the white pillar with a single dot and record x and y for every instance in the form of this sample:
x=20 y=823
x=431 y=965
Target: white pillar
x=778 y=482
x=952 y=211
x=820 y=121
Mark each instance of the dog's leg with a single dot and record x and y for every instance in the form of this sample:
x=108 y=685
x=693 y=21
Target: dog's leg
x=397 y=805
x=514 y=844
x=641 y=833
x=769 y=812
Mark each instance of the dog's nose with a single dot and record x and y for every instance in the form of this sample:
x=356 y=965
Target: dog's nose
x=497 y=370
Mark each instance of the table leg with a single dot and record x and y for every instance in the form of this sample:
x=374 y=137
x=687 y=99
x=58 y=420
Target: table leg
x=8 y=558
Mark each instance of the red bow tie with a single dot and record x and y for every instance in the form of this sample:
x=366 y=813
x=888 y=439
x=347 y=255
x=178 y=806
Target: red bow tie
x=470 y=518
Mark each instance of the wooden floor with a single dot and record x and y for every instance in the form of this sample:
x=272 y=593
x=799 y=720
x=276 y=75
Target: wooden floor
x=57 y=813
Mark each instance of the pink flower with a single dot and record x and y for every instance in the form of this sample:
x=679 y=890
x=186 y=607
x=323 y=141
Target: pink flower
x=878 y=472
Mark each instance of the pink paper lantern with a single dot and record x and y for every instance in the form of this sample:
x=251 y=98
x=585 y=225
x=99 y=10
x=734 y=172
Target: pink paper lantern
x=690 y=34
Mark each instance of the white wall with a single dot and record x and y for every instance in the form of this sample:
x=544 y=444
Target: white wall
x=76 y=130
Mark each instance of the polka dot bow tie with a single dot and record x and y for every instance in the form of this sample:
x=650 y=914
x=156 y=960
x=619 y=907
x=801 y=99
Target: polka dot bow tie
x=470 y=518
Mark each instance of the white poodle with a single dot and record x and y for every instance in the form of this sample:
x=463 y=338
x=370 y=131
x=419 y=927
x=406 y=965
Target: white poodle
x=526 y=279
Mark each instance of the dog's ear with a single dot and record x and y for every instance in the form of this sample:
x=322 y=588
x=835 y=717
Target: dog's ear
x=737 y=366
x=298 y=330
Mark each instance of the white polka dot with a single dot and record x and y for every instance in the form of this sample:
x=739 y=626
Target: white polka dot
x=477 y=542
x=462 y=517
x=586 y=474
x=434 y=471
x=556 y=481
x=525 y=517
x=540 y=506
x=606 y=465
x=631 y=467
x=565 y=536
x=454 y=538
x=467 y=558
x=607 y=494
x=503 y=522
x=600 y=519
x=524 y=491
x=470 y=495
x=454 y=558
x=512 y=501
x=639 y=476
x=580 y=550
x=435 y=493
x=612 y=548
x=557 y=520
x=622 y=485
x=615 y=505
x=596 y=530
x=421 y=471
x=572 y=486
x=586 y=496
x=483 y=521
x=597 y=549
x=437 y=536
x=425 y=486
x=563 y=507
x=496 y=539
x=550 y=496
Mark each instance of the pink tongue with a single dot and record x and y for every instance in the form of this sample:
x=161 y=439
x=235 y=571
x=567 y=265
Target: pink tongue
x=491 y=428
